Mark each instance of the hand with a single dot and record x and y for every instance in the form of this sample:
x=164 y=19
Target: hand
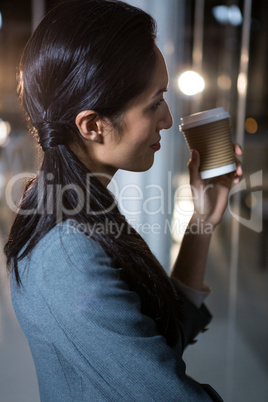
x=210 y=196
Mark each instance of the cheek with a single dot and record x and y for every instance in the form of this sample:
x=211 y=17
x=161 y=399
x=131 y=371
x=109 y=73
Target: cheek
x=146 y=129
x=138 y=131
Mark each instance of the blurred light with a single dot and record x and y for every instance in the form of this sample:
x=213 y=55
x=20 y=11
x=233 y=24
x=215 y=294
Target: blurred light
x=244 y=58
x=227 y=15
x=220 y=13
x=4 y=132
x=251 y=125
x=197 y=55
x=191 y=83
x=1 y=20
x=224 y=82
x=242 y=83
x=169 y=48
x=235 y=16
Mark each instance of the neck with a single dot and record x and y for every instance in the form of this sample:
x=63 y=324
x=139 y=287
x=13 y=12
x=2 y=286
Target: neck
x=103 y=173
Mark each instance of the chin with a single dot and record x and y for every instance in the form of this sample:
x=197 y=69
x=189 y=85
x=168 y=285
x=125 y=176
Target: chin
x=142 y=168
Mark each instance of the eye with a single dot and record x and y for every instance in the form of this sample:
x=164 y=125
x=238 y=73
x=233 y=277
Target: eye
x=156 y=105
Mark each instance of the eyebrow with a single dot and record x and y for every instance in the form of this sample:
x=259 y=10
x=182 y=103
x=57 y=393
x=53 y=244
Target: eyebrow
x=162 y=90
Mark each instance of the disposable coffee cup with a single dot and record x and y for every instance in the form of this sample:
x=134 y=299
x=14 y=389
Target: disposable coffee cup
x=210 y=133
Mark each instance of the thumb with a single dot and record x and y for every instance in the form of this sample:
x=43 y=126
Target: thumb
x=193 y=166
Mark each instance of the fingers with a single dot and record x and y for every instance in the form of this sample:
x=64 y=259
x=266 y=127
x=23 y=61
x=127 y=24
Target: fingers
x=193 y=166
x=239 y=170
x=238 y=173
x=237 y=149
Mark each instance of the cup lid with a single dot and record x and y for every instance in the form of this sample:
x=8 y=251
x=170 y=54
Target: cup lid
x=208 y=116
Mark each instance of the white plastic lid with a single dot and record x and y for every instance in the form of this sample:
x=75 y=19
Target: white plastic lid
x=207 y=174
x=208 y=116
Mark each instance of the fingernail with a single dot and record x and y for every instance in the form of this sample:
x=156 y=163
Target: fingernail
x=239 y=148
x=239 y=170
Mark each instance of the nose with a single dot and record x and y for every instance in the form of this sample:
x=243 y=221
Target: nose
x=166 y=120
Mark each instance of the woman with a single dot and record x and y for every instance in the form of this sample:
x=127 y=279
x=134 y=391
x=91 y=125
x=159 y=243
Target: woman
x=103 y=319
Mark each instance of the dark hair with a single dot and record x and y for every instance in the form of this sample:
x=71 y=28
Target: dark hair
x=87 y=55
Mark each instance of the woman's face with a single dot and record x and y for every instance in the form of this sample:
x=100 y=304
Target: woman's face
x=134 y=147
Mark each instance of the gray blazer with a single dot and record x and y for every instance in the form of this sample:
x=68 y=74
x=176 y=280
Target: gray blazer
x=88 y=337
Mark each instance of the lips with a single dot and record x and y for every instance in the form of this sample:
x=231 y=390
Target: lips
x=156 y=146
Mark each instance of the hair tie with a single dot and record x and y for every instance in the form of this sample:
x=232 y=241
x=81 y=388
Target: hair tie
x=50 y=134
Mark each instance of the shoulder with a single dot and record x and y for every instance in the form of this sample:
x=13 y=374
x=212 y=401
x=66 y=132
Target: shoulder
x=68 y=238
x=65 y=252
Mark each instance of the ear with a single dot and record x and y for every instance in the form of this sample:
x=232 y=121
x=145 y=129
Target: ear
x=90 y=125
